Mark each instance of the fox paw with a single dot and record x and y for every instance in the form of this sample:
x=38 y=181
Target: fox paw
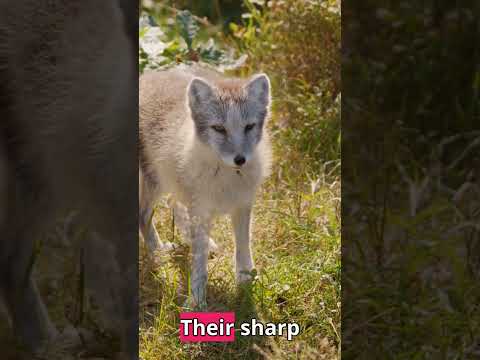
x=191 y=304
x=166 y=246
x=159 y=256
x=246 y=276
x=212 y=246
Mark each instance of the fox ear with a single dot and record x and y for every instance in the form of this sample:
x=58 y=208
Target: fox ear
x=258 y=89
x=199 y=92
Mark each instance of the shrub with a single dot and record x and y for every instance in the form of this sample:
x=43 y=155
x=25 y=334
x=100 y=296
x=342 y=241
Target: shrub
x=298 y=44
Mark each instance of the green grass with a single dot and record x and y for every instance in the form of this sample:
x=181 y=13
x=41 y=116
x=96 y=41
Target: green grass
x=296 y=245
x=296 y=229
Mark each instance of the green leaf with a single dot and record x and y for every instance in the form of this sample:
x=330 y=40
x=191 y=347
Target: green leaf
x=210 y=53
x=188 y=27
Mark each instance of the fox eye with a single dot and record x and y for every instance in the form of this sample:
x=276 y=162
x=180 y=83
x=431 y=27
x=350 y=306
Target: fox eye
x=220 y=129
x=249 y=127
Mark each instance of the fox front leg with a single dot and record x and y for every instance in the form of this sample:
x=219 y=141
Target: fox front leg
x=241 y=219
x=182 y=221
x=200 y=229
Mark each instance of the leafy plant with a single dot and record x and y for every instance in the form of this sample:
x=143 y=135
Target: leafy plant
x=178 y=40
x=298 y=43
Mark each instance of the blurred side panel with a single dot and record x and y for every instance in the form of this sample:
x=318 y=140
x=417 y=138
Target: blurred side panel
x=68 y=178
x=411 y=180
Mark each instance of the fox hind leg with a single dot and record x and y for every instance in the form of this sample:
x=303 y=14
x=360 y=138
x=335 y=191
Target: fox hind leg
x=147 y=228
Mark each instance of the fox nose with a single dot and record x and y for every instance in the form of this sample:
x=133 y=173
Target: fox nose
x=239 y=160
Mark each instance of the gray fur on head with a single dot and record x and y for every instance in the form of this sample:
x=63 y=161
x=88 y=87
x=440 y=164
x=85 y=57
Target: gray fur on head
x=231 y=103
x=229 y=115
x=258 y=89
x=203 y=104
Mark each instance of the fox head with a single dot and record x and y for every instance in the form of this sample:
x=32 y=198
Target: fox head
x=230 y=117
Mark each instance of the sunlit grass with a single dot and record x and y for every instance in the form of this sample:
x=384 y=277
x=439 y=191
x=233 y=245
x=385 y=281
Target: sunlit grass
x=296 y=237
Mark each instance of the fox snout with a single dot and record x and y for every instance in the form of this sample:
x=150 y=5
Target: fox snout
x=239 y=160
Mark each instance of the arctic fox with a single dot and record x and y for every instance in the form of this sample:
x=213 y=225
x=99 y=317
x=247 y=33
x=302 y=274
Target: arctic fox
x=203 y=140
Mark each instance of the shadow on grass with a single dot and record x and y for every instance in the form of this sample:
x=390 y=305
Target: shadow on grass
x=242 y=303
x=222 y=298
